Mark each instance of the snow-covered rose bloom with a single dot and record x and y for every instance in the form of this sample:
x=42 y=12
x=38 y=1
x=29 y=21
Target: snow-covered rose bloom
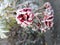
x=24 y=17
x=48 y=15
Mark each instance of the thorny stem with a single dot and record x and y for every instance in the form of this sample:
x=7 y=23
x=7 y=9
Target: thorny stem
x=38 y=19
x=35 y=25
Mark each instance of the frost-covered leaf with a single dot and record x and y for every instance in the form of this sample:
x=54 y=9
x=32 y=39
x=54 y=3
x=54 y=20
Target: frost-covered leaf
x=4 y=31
x=2 y=34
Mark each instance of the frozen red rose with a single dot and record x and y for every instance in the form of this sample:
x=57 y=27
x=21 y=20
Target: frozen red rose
x=48 y=15
x=24 y=17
